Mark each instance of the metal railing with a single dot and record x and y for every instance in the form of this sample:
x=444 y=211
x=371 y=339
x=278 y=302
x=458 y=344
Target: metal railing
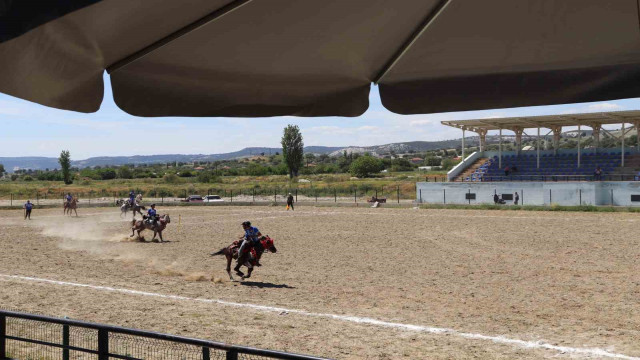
x=28 y=336
x=555 y=178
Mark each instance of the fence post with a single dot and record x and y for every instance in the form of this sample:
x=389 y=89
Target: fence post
x=275 y=195
x=103 y=344
x=549 y=196
x=580 y=190
x=11 y=204
x=611 y=197
x=205 y=353
x=444 y=196
x=355 y=195
x=37 y=198
x=232 y=355
x=335 y=195
x=398 y=193
x=420 y=196
x=65 y=342
x=296 y=194
x=231 y=195
x=3 y=338
x=316 y=195
x=254 y=195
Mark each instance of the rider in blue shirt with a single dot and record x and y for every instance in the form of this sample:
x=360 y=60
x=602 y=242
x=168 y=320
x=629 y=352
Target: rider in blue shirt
x=250 y=239
x=132 y=197
x=68 y=198
x=152 y=214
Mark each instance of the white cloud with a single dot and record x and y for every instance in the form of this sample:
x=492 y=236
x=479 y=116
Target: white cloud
x=604 y=107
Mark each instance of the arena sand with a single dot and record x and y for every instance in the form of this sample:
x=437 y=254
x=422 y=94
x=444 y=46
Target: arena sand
x=567 y=279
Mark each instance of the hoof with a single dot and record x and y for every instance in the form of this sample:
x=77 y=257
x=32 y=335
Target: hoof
x=155 y=240
x=240 y=273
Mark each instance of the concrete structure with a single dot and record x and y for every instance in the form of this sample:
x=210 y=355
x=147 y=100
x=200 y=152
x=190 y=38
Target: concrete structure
x=609 y=193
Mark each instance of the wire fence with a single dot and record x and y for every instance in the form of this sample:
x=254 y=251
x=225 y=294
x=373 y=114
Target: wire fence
x=28 y=336
x=353 y=194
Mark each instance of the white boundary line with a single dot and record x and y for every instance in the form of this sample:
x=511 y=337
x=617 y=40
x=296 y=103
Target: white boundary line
x=353 y=319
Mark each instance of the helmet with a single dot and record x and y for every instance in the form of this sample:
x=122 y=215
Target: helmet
x=246 y=223
x=152 y=205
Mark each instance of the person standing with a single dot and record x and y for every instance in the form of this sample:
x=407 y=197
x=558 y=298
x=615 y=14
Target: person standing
x=289 y=201
x=27 y=209
x=516 y=199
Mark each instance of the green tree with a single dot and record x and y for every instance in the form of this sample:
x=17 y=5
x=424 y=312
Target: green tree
x=124 y=172
x=292 y=149
x=65 y=164
x=1 y=169
x=365 y=166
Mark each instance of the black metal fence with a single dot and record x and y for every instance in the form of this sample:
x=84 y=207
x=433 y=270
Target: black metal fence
x=28 y=336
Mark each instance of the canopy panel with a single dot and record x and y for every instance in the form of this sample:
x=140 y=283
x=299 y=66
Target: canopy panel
x=504 y=53
x=318 y=58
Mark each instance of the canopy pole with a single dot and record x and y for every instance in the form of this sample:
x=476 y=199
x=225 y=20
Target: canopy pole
x=500 y=150
x=431 y=17
x=538 y=151
x=463 y=130
x=622 y=145
x=234 y=5
x=579 y=147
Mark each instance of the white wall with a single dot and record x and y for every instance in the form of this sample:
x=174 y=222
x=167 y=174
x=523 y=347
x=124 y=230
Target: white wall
x=533 y=193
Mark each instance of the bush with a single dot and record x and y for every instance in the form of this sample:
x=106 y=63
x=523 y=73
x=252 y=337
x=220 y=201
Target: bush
x=171 y=179
x=448 y=164
x=186 y=173
x=107 y=173
x=124 y=172
x=27 y=178
x=364 y=166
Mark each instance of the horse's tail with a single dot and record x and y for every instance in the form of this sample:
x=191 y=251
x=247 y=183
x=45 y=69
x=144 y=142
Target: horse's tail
x=220 y=252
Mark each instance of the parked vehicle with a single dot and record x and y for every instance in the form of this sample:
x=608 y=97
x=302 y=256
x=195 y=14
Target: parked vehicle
x=193 y=198
x=213 y=198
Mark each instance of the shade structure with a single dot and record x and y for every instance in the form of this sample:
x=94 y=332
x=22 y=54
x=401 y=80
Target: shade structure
x=318 y=57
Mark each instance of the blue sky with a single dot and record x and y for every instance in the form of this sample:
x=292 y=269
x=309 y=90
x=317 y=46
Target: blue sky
x=29 y=129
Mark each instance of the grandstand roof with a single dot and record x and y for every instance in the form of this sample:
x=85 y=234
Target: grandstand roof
x=546 y=121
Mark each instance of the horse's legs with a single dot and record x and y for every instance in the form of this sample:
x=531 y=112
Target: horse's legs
x=248 y=273
x=229 y=259
x=76 y=211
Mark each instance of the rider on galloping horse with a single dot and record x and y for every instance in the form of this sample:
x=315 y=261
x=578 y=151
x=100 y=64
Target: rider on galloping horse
x=132 y=198
x=68 y=198
x=152 y=215
x=250 y=239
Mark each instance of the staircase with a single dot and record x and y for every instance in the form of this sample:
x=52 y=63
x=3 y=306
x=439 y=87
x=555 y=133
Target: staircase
x=469 y=170
x=631 y=166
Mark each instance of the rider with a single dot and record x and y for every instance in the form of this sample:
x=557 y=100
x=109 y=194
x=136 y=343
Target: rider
x=152 y=214
x=250 y=238
x=68 y=198
x=132 y=197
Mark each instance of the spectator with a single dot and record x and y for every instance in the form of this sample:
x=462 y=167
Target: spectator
x=496 y=199
x=514 y=169
x=597 y=174
x=290 y=202
x=516 y=199
x=27 y=209
x=506 y=170
x=637 y=177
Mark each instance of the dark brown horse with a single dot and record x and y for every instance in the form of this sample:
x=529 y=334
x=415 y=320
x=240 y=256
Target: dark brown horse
x=141 y=225
x=231 y=252
x=71 y=205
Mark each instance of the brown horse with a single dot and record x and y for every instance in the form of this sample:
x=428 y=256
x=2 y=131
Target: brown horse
x=72 y=205
x=141 y=225
x=231 y=252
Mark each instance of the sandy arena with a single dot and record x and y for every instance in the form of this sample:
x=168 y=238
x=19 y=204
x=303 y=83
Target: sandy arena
x=345 y=282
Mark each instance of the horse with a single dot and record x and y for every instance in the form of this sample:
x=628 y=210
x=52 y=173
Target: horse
x=136 y=208
x=141 y=225
x=72 y=205
x=231 y=252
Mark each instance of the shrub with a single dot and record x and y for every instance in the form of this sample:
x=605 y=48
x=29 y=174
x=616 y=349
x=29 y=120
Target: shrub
x=364 y=166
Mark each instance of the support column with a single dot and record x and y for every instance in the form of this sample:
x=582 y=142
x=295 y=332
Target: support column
x=500 y=150
x=596 y=134
x=579 y=147
x=622 y=145
x=557 y=131
x=538 y=151
x=637 y=136
x=483 y=138
x=463 y=131
x=518 y=132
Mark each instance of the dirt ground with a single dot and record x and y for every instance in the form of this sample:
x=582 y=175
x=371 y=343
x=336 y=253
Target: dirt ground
x=566 y=279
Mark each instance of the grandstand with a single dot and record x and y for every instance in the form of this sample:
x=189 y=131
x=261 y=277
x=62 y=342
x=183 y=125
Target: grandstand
x=534 y=171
